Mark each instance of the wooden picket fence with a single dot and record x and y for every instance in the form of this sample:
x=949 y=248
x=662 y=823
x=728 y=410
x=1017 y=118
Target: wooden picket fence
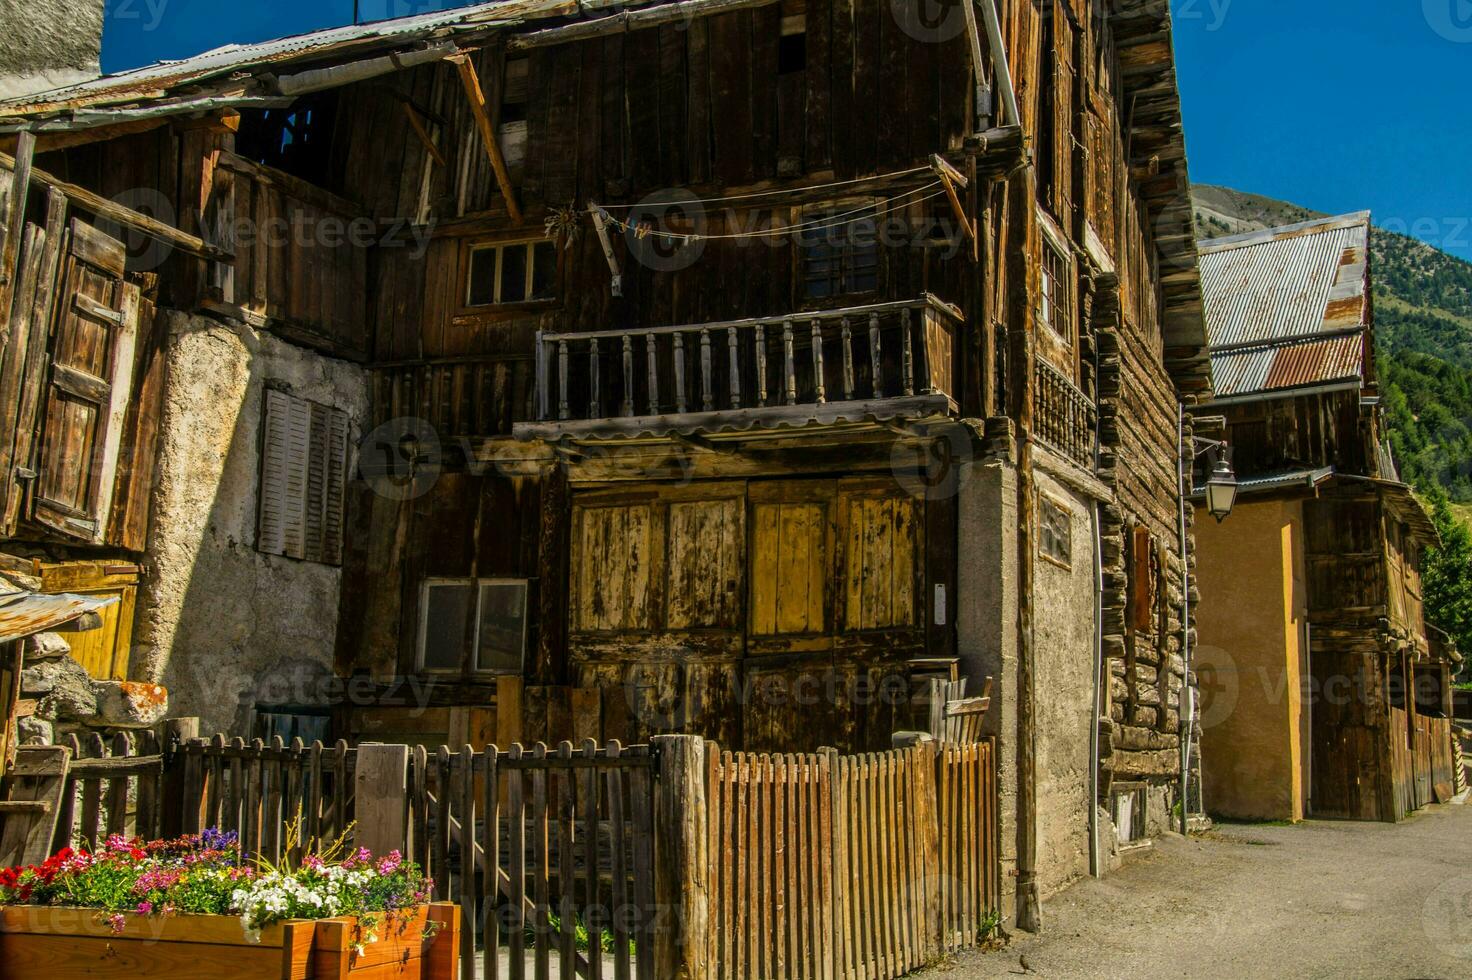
x=606 y=860
x=282 y=798
x=113 y=786
x=829 y=866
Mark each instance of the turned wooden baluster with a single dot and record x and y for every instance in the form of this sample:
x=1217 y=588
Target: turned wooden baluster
x=791 y=369
x=680 y=372
x=653 y=374
x=705 y=391
x=907 y=369
x=628 y=376
x=735 y=368
x=595 y=408
x=562 y=407
x=818 y=362
x=761 y=366
x=544 y=390
x=874 y=353
x=848 y=361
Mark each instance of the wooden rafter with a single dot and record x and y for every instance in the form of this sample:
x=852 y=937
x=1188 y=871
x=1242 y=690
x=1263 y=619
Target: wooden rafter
x=952 y=178
x=471 y=81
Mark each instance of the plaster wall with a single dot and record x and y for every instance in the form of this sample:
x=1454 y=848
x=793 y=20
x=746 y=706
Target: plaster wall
x=46 y=44
x=1063 y=652
x=986 y=630
x=1249 y=660
x=220 y=624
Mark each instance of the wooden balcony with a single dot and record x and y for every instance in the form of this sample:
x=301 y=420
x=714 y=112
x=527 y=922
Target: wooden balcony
x=1064 y=418
x=863 y=365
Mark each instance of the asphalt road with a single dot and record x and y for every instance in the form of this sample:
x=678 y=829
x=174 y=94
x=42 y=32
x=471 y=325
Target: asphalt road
x=1320 y=899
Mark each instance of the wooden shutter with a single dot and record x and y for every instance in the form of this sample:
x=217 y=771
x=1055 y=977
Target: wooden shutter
x=303 y=472
x=1063 y=114
x=88 y=388
x=1143 y=580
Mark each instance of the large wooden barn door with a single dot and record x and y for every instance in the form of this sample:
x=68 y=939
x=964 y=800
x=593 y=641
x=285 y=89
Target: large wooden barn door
x=770 y=615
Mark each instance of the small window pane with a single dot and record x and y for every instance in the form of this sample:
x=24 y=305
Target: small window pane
x=513 y=273
x=544 y=270
x=502 y=626
x=447 y=625
x=482 y=277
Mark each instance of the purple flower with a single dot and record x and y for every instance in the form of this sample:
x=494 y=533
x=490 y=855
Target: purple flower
x=145 y=907
x=118 y=922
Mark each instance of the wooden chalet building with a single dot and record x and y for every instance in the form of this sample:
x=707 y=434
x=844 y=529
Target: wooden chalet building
x=1323 y=693
x=723 y=366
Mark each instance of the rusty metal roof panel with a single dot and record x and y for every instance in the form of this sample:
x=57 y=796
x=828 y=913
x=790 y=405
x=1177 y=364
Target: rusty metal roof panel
x=1286 y=282
x=1287 y=307
x=25 y=613
x=1301 y=363
x=227 y=62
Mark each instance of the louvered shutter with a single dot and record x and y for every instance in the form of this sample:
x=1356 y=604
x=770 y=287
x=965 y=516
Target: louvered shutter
x=303 y=475
x=1063 y=116
x=88 y=387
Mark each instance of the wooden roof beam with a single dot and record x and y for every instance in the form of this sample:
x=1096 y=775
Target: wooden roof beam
x=471 y=83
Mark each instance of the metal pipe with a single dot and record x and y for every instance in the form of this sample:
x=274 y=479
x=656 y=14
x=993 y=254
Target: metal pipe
x=999 y=56
x=1187 y=709
x=1095 y=863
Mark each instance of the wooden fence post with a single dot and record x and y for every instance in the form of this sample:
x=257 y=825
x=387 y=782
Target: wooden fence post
x=381 y=798
x=681 y=865
x=173 y=820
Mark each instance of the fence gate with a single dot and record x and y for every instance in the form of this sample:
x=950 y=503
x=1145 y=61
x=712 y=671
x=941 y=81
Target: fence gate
x=550 y=853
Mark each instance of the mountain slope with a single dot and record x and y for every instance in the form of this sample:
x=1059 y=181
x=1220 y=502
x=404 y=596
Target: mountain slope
x=1423 y=336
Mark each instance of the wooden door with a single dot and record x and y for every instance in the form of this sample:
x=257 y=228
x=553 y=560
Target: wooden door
x=788 y=672
x=836 y=610
x=1354 y=768
x=86 y=398
x=103 y=651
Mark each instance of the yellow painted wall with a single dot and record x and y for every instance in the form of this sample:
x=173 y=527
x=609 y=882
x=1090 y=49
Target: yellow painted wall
x=1249 y=660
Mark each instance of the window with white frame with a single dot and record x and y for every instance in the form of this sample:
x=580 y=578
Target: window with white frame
x=1057 y=292
x=511 y=272
x=472 y=625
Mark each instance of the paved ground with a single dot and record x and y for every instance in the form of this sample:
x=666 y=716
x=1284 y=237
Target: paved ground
x=1321 y=899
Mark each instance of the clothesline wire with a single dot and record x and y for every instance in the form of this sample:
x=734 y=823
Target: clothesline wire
x=818 y=224
x=771 y=193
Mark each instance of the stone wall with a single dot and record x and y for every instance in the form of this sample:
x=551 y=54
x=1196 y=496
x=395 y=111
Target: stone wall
x=1063 y=654
x=220 y=624
x=46 y=44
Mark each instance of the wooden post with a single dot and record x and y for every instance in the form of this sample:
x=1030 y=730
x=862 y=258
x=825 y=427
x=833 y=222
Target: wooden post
x=381 y=791
x=174 y=733
x=681 y=863
x=20 y=187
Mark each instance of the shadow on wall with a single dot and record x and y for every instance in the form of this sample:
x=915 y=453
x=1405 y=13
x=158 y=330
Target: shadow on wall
x=221 y=624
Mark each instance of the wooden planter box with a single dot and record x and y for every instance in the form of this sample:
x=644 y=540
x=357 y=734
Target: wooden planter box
x=43 y=941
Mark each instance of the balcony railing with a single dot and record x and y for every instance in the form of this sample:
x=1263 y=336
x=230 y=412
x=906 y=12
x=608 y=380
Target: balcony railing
x=1064 y=419
x=823 y=366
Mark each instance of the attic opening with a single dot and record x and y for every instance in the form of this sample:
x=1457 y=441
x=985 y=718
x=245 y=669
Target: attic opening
x=296 y=139
x=792 y=47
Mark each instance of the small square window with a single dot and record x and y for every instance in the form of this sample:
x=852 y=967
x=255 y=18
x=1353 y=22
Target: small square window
x=1055 y=532
x=517 y=272
x=472 y=626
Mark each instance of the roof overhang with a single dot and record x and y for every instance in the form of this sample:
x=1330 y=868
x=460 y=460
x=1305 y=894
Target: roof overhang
x=1143 y=36
x=24 y=613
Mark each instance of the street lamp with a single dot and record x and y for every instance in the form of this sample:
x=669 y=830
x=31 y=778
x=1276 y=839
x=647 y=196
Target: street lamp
x=1221 y=484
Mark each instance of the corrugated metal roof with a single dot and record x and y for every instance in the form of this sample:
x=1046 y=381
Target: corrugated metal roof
x=25 y=613
x=1271 y=297
x=155 y=81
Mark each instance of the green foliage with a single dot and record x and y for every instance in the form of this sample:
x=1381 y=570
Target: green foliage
x=1446 y=583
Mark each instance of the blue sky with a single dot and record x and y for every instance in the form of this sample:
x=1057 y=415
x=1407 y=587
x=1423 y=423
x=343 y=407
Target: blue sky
x=1337 y=105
